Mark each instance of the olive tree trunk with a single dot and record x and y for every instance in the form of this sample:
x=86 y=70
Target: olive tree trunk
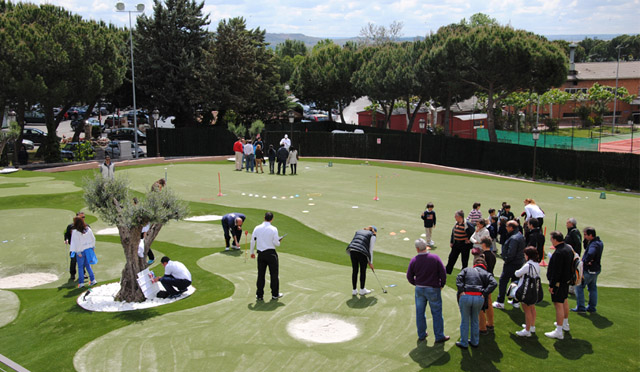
x=130 y=238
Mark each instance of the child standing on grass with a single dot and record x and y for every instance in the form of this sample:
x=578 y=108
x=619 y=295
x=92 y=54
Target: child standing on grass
x=429 y=217
x=475 y=214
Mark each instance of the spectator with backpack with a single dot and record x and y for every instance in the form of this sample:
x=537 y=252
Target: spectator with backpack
x=559 y=274
x=531 y=268
x=535 y=238
x=592 y=267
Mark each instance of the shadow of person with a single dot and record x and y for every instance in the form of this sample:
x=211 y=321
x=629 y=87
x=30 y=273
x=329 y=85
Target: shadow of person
x=598 y=320
x=425 y=355
x=572 y=348
x=490 y=348
x=531 y=346
x=516 y=315
x=476 y=359
x=265 y=306
x=233 y=252
x=361 y=302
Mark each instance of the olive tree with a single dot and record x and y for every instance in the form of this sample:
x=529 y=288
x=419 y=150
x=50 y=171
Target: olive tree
x=111 y=200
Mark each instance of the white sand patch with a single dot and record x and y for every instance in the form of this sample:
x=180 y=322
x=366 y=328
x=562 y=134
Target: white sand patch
x=8 y=170
x=101 y=298
x=305 y=211
x=322 y=329
x=208 y=217
x=27 y=280
x=108 y=231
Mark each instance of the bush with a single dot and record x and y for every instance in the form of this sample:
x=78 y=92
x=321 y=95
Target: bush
x=83 y=151
x=552 y=124
x=96 y=132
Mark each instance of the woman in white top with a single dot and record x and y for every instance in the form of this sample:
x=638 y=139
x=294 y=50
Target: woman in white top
x=82 y=240
x=531 y=210
x=293 y=159
x=530 y=267
x=481 y=232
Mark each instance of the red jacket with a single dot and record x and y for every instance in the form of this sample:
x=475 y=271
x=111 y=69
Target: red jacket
x=237 y=146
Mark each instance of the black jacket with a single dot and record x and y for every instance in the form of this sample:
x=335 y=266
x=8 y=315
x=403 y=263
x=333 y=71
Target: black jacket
x=574 y=239
x=536 y=239
x=361 y=242
x=513 y=249
x=560 y=266
x=476 y=279
x=282 y=154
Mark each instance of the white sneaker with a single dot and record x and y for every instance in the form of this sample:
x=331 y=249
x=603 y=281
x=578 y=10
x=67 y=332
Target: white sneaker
x=516 y=305
x=432 y=243
x=498 y=305
x=354 y=292
x=555 y=334
x=364 y=291
x=532 y=329
x=523 y=333
x=226 y=249
x=94 y=282
x=564 y=327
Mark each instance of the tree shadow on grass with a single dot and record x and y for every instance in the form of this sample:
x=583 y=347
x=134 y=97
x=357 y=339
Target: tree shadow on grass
x=531 y=346
x=361 y=302
x=265 y=306
x=598 y=320
x=572 y=348
x=137 y=315
x=426 y=355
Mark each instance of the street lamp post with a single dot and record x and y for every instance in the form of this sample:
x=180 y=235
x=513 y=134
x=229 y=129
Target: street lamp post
x=156 y=115
x=120 y=7
x=615 y=95
x=292 y=118
x=421 y=125
x=535 y=133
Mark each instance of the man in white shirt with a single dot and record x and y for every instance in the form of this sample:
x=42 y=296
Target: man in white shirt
x=249 y=156
x=286 y=142
x=175 y=275
x=265 y=238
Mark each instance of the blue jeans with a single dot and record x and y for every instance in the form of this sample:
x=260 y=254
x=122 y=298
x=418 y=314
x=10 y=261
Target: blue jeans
x=433 y=297
x=83 y=264
x=470 y=307
x=588 y=281
x=250 y=159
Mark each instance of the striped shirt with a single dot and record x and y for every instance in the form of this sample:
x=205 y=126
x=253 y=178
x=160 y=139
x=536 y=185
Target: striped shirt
x=474 y=216
x=459 y=232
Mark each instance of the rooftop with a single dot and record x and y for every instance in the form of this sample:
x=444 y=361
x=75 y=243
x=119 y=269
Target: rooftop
x=607 y=70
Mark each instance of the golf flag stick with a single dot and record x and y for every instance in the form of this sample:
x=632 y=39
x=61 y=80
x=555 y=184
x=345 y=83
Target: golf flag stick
x=376 y=275
x=376 y=197
x=246 y=244
x=219 y=185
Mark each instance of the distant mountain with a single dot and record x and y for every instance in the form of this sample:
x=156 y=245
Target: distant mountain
x=310 y=41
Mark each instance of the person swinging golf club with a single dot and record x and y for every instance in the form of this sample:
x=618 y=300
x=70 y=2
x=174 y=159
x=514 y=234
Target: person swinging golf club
x=361 y=251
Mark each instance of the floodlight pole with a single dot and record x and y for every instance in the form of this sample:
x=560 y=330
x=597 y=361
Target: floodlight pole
x=156 y=115
x=535 y=133
x=120 y=7
x=615 y=93
x=421 y=124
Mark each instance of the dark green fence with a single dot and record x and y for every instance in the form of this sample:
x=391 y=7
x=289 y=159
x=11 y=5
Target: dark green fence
x=615 y=169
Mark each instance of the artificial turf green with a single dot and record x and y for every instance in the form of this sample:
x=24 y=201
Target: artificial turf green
x=50 y=327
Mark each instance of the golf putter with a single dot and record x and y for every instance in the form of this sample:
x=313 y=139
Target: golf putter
x=246 y=245
x=376 y=275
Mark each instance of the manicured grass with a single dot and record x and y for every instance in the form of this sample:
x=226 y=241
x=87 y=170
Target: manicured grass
x=51 y=328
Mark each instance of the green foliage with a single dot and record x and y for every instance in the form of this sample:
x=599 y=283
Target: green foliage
x=172 y=59
x=244 y=73
x=552 y=124
x=9 y=134
x=238 y=129
x=112 y=202
x=50 y=150
x=83 y=151
x=256 y=128
x=584 y=112
x=291 y=48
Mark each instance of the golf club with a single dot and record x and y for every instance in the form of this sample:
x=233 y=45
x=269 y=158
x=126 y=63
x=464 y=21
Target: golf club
x=246 y=245
x=376 y=275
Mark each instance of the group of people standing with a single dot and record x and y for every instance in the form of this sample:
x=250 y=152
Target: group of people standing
x=522 y=250
x=251 y=153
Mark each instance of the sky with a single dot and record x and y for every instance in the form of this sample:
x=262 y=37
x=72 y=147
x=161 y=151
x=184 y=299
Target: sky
x=345 y=18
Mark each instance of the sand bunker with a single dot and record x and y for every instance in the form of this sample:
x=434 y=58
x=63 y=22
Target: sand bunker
x=27 y=280
x=108 y=231
x=100 y=298
x=8 y=170
x=322 y=329
x=209 y=217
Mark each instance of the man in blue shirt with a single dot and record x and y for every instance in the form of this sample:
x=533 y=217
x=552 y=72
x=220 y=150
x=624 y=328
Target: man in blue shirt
x=232 y=227
x=591 y=269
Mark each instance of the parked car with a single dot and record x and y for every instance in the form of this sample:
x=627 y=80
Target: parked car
x=142 y=117
x=67 y=152
x=99 y=111
x=114 y=121
x=35 y=135
x=113 y=150
x=126 y=134
x=27 y=143
x=34 y=117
